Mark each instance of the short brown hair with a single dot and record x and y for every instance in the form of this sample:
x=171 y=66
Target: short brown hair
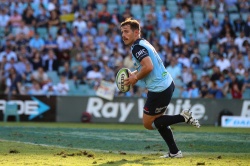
x=134 y=24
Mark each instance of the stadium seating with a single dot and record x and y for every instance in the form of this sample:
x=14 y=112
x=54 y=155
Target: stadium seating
x=11 y=109
x=53 y=76
x=197 y=17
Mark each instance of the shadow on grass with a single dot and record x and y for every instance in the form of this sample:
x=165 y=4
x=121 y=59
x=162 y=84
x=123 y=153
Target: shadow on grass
x=125 y=161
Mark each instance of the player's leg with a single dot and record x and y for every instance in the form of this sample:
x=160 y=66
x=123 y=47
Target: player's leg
x=154 y=108
x=165 y=132
x=153 y=117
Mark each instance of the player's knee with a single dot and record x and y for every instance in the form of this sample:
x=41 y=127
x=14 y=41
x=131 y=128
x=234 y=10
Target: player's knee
x=148 y=125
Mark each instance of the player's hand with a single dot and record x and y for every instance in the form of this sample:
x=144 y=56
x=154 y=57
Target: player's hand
x=132 y=80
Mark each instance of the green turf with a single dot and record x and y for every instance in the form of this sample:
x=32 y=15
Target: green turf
x=119 y=144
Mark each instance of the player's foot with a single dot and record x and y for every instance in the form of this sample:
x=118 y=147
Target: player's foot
x=189 y=118
x=170 y=155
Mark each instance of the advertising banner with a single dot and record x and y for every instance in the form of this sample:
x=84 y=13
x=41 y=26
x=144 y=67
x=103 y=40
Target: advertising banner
x=130 y=110
x=32 y=108
x=235 y=121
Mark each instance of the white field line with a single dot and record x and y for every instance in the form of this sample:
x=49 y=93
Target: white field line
x=117 y=152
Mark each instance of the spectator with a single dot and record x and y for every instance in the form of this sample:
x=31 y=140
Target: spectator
x=194 y=81
x=247 y=61
x=223 y=63
x=221 y=6
x=94 y=76
x=204 y=91
x=76 y=50
x=193 y=91
x=36 y=89
x=28 y=17
x=65 y=44
x=226 y=23
x=209 y=61
x=4 y=17
x=239 y=41
x=184 y=92
x=104 y=16
x=235 y=87
x=236 y=60
x=227 y=42
x=67 y=72
x=128 y=62
x=13 y=82
x=186 y=75
x=50 y=43
x=162 y=12
x=36 y=61
x=22 y=41
x=108 y=74
x=63 y=86
x=51 y=64
x=80 y=74
x=15 y=19
x=209 y=21
x=211 y=6
x=42 y=19
x=222 y=84
x=215 y=92
x=240 y=70
x=244 y=6
x=185 y=12
x=246 y=82
x=9 y=53
x=39 y=76
x=183 y=60
x=65 y=8
x=27 y=75
x=49 y=89
x=239 y=25
x=101 y=37
x=22 y=29
x=178 y=40
x=216 y=74
x=116 y=17
x=90 y=29
x=37 y=43
x=214 y=30
x=53 y=19
x=20 y=65
x=80 y=24
x=174 y=69
x=178 y=22
x=63 y=29
x=247 y=27
x=75 y=35
x=203 y=36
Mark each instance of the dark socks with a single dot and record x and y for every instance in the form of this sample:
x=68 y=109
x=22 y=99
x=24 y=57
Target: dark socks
x=167 y=120
x=162 y=124
x=167 y=135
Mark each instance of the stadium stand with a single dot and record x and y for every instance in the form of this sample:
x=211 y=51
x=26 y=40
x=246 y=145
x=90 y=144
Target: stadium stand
x=50 y=33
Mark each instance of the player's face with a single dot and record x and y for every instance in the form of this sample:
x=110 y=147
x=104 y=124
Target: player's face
x=128 y=35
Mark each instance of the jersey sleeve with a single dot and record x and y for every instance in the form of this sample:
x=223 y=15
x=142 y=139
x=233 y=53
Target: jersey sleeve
x=139 y=52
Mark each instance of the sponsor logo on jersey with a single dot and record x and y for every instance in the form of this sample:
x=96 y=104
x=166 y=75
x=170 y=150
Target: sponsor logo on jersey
x=145 y=109
x=141 y=53
x=158 y=110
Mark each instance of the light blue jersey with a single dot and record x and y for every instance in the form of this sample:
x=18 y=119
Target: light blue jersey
x=158 y=79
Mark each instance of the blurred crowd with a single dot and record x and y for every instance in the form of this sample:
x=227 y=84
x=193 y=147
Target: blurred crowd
x=66 y=47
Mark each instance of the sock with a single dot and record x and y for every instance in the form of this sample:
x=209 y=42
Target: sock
x=167 y=135
x=167 y=120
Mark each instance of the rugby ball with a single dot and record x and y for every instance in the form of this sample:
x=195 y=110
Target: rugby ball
x=122 y=74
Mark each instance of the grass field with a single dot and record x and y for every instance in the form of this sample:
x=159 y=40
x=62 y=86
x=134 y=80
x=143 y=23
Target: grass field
x=119 y=144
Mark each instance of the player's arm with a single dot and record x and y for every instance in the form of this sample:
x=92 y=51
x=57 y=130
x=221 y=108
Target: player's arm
x=142 y=55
